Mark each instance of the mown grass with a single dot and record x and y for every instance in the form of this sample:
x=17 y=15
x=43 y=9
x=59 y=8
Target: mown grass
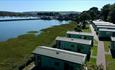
x=110 y=62
x=87 y=29
x=94 y=48
x=92 y=61
x=91 y=64
x=106 y=45
x=17 y=50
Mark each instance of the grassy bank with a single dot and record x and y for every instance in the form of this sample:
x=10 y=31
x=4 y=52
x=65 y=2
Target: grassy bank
x=94 y=48
x=87 y=29
x=91 y=64
x=106 y=45
x=110 y=62
x=16 y=51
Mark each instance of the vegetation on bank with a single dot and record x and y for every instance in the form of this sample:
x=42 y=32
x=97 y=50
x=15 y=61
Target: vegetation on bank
x=87 y=29
x=91 y=64
x=106 y=45
x=110 y=62
x=32 y=32
x=16 y=51
x=94 y=48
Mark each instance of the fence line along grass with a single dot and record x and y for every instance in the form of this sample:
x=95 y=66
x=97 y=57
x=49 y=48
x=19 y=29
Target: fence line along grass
x=16 y=51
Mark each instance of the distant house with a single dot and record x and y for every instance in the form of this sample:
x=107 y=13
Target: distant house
x=112 y=46
x=101 y=23
x=104 y=27
x=80 y=35
x=106 y=33
x=73 y=44
x=47 y=58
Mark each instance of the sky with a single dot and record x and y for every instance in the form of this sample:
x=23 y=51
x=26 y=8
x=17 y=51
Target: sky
x=51 y=5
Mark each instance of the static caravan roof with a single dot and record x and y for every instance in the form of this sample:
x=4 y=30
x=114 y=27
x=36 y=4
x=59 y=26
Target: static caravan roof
x=81 y=41
x=101 y=22
x=70 y=56
x=112 y=38
x=112 y=25
x=79 y=33
x=107 y=30
x=106 y=27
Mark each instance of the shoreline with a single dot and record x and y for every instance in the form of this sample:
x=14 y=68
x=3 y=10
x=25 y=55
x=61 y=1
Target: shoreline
x=20 y=48
x=5 y=20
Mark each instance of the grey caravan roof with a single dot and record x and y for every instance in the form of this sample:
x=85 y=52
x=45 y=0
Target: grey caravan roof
x=81 y=41
x=70 y=56
x=80 y=33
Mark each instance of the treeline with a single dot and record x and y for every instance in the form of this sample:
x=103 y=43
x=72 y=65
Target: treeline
x=11 y=14
x=107 y=13
x=67 y=15
x=58 y=15
x=48 y=13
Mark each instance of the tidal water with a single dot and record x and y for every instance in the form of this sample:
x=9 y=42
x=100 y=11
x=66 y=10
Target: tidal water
x=12 y=29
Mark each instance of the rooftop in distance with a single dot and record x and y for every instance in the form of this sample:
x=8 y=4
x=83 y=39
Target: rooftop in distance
x=81 y=33
x=82 y=41
x=109 y=30
x=112 y=25
x=102 y=23
x=107 y=26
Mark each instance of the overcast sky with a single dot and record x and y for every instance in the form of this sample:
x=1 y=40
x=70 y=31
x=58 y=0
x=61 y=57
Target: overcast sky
x=51 y=5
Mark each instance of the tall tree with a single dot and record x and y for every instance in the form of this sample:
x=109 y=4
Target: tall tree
x=105 y=12
x=94 y=13
x=84 y=17
x=111 y=16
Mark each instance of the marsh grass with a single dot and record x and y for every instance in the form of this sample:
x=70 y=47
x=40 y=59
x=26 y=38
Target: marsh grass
x=16 y=51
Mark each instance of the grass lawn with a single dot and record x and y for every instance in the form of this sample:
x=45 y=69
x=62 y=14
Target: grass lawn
x=16 y=51
x=92 y=61
x=110 y=62
x=94 y=48
x=91 y=65
x=87 y=29
x=106 y=45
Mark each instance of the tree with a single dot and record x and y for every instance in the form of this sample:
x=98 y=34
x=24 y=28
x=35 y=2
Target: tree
x=111 y=16
x=105 y=11
x=94 y=13
x=84 y=17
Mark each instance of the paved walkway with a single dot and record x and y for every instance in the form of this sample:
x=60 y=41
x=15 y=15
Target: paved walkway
x=100 y=50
